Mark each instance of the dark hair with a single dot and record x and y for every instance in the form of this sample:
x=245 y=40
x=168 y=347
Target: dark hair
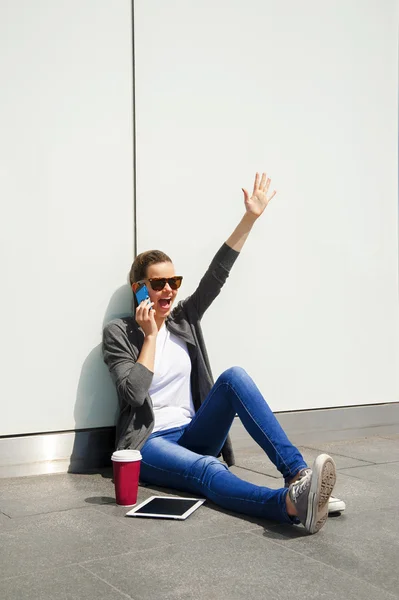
x=141 y=263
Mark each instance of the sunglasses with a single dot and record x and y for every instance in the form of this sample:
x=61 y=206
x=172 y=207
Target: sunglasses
x=158 y=283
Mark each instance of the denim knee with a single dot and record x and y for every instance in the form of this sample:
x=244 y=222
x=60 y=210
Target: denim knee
x=205 y=468
x=232 y=374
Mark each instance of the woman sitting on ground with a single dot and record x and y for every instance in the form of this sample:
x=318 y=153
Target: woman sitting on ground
x=171 y=410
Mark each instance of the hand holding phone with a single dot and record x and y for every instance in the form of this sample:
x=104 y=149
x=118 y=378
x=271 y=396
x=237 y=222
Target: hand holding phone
x=145 y=315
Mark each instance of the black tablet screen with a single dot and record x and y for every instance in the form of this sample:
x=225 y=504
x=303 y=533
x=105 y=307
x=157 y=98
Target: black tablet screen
x=167 y=506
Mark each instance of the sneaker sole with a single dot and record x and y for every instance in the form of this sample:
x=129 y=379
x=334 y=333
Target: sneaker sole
x=323 y=480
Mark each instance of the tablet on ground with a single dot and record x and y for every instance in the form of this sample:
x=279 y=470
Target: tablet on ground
x=166 y=507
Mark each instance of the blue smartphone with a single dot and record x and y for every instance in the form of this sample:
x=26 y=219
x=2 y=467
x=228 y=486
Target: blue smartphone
x=141 y=293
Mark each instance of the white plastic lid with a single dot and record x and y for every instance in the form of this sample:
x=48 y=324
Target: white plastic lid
x=126 y=455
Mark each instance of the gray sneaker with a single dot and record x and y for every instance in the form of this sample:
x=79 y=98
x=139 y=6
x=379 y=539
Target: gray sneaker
x=335 y=505
x=310 y=494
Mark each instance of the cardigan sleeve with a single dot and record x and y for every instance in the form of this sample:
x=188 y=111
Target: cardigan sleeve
x=132 y=379
x=212 y=282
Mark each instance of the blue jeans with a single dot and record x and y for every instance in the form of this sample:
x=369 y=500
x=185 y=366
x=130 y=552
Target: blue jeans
x=184 y=458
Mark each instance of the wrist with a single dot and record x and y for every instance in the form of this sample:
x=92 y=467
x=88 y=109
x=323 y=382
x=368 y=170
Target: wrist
x=150 y=337
x=249 y=219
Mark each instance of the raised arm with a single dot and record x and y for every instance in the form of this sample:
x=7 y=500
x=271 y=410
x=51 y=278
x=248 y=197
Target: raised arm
x=218 y=271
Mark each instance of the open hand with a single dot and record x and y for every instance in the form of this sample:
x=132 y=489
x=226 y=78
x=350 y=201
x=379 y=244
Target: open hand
x=256 y=204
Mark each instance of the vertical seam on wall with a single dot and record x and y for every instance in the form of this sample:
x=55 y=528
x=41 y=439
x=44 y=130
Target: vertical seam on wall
x=397 y=124
x=134 y=138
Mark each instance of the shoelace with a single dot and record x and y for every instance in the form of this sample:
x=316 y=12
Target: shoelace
x=303 y=472
x=300 y=486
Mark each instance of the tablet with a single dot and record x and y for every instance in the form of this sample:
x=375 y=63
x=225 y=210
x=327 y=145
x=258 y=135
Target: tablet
x=166 y=507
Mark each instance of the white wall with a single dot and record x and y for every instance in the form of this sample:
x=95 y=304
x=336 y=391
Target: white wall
x=308 y=91
x=66 y=181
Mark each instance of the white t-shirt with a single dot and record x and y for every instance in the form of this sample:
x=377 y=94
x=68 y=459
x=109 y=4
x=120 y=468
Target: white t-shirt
x=170 y=389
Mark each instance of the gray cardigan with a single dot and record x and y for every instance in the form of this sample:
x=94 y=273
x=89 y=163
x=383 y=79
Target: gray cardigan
x=122 y=343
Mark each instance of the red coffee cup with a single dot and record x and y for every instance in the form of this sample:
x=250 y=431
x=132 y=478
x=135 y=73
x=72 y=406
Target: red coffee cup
x=126 y=464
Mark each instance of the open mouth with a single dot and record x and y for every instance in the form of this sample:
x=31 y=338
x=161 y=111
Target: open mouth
x=165 y=303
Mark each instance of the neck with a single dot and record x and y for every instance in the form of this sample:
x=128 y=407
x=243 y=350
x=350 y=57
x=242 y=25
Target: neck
x=160 y=321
